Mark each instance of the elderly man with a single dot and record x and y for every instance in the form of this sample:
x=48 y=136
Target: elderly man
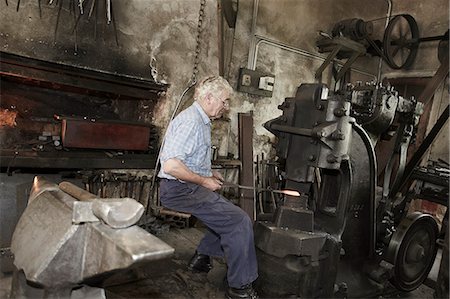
x=188 y=185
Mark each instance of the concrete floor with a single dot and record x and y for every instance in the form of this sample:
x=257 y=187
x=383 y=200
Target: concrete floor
x=171 y=279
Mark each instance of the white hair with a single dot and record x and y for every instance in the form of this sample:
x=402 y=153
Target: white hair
x=212 y=85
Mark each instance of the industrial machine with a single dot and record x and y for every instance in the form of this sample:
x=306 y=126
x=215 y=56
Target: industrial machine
x=345 y=236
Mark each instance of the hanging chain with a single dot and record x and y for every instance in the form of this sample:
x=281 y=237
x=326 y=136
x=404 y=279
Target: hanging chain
x=201 y=15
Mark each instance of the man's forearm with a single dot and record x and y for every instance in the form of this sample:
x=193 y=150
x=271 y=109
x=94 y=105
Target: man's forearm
x=179 y=170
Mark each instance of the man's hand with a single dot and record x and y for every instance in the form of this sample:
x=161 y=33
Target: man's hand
x=218 y=175
x=212 y=183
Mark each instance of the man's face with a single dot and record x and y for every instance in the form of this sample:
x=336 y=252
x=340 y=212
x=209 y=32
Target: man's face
x=219 y=104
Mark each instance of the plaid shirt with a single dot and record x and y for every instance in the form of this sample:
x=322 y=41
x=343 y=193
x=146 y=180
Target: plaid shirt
x=188 y=138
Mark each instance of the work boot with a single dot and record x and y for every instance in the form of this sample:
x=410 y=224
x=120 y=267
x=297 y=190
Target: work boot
x=245 y=292
x=200 y=263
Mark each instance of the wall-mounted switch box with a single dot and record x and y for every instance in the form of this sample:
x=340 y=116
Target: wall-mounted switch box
x=266 y=83
x=255 y=82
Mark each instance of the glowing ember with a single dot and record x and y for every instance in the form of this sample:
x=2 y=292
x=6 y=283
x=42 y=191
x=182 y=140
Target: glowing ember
x=7 y=118
x=290 y=192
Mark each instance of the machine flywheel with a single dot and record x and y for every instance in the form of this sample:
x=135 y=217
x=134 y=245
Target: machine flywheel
x=401 y=41
x=412 y=250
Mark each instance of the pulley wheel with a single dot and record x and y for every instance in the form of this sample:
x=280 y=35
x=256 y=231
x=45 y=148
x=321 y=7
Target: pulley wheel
x=412 y=250
x=401 y=41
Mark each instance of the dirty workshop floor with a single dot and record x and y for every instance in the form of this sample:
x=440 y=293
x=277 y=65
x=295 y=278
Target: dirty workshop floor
x=175 y=281
x=171 y=279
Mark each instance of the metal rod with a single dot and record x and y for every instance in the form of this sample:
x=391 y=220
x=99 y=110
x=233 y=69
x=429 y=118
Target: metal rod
x=164 y=211
x=91 y=9
x=76 y=23
x=73 y=7
x=57 y=20
x=285 y=192
x=114 y=24
x=292 y=130
x=95 y=24
x=280 y=45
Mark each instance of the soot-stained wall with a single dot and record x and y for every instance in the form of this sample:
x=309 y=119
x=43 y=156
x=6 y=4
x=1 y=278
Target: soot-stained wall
x=157 y=39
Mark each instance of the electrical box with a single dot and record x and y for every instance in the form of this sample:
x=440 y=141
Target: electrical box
x=255 y=82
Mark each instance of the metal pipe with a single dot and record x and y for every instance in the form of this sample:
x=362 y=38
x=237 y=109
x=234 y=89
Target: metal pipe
x=262 y=39
x=257 y=40
x=252 y=48
x=283 y=46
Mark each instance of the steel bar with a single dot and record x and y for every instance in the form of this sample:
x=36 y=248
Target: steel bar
x=80 y=5
x=285 y=192
x=114 y=25
x=165 y=211
x=108 y=11
x=73 y=7
x=246 y=173
x=91 y=9
x=76 y=23
x=292 y=130
x=95 y=23
x=57 y=20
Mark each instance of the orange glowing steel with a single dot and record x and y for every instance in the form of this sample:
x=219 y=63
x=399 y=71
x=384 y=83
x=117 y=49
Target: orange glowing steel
x=7 y=118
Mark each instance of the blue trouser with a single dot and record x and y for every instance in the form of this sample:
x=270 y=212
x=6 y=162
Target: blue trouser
x=230 y=233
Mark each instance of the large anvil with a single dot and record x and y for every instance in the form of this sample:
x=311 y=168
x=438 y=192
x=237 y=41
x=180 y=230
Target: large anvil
x=54 y=252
